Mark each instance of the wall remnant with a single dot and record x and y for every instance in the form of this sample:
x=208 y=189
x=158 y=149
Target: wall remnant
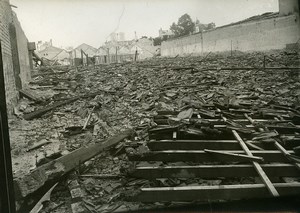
x=15 y=54
x=259 y=33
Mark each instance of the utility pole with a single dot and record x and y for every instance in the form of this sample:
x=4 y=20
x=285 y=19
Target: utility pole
x=81 y=57
x=108 y=59
x=75 y=59
x=231 y=48
x=117 y=54
x=135 y=56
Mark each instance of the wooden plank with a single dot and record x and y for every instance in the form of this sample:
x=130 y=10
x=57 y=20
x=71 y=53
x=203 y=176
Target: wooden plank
x=277 y=145
x=159 y=145
x=287 y=155
x=280 y=129
x=238 y=156
x=240 y=121
x=38 y=113
x=37 y=145
x=221 y=126
x=58 y=167
x=29 y=95
x=214 y=171
x=253 y=146
x=193 y=145
x=257 y=167
x=209 y=193
x=201 y=156
x=246 y=68
x=284 y=129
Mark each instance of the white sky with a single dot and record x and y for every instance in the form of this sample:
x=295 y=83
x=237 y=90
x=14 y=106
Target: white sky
x=72 y=22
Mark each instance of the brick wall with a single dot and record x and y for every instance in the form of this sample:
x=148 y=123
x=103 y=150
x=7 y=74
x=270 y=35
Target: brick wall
x=9 y=78
x=14 y=53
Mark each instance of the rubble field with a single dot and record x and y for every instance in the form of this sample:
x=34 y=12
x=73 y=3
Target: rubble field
x=114 y=107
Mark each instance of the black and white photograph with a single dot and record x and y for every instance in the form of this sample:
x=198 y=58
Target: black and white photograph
x=149 y=106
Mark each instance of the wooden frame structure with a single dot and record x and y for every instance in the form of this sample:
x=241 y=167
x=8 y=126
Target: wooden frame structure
x=232 y=157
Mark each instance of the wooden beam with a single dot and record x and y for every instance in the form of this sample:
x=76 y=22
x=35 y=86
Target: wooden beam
x=284 y=129
x=257 y=167
x=248 y=68
x=58 y=167
x=159 y=145
x=209 y=193
x=253 y=146
x=287 y=154
x=38 y=113
x=280 y=129
x=240 y=121
x=237 y=156
x=201 y=156
x=29 y=95
x=214 y=171
x=193 y=145
x=277 y=145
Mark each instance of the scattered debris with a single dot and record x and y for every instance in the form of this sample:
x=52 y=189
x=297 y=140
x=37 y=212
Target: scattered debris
x=176 y=108
x=58 y=167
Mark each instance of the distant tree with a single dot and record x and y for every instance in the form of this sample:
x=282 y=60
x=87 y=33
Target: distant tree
x=176 y=30
x=199 y=27
x=157 y=41
x=211 y=26
x=184 y=26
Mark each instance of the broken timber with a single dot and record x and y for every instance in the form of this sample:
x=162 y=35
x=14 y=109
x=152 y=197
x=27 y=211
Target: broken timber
x=208 y=193
x=213 y=171
x=247 y=68
x=38 y=113
x=277 y=145
x=27 y=94
x=58 y=167
x=202 y=156
x=238 y=156
x=160 y=145
x=186 y=156
x=257 y=166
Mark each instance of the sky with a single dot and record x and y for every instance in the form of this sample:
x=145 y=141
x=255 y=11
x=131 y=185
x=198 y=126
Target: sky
x=73 y=22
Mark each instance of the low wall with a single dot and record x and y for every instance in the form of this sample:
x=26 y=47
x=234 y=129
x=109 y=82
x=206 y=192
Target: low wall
x=273 y=33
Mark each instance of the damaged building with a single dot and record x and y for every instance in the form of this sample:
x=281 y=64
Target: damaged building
x=54 y=56
x=121 y=51
x=213 y=123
